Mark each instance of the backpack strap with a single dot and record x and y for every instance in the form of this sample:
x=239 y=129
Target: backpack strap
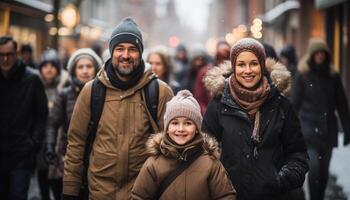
x=151 y=91
x=98 y=93
x=164 y=184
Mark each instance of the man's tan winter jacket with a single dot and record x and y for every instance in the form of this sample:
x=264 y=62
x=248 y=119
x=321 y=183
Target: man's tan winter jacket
x=118 y=152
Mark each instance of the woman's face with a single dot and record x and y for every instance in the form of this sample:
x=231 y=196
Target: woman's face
x=84 y=70
x=157 y=64
x=319 y=57
x=181 y=130
x=248 y=70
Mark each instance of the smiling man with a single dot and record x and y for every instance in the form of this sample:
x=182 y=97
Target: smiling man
x=119 y=150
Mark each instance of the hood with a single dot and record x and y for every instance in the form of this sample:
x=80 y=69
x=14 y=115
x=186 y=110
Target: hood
x=215 y=78
x=210 y=145
x=84 y=52
x=315 y=44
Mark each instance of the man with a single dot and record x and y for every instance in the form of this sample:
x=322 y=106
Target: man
x=23 y=116
x=118 y=151
x=27 y=55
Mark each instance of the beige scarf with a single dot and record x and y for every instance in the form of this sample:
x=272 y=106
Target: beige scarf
x=250 y=100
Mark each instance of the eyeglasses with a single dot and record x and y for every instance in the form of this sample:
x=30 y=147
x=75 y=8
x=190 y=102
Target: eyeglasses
x=7 y=55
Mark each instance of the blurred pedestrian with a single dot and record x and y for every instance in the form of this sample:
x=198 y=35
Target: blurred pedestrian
x=288 y=58
x=262 y=145
x=23 y=117
x=181 y=64
x=83 y=66
x=27 y=56
x=117 y=151
x=222 y=52
x=183 y=144
x=270 y=51
x=54 y=79
x=161 y=65
x=317 y=94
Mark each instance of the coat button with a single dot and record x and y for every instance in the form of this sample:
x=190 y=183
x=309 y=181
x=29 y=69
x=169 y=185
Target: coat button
x=247 y=155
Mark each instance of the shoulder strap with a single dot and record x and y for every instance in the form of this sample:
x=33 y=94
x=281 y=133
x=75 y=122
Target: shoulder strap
x=164 y=184
x=151 y=97
x=98 y=93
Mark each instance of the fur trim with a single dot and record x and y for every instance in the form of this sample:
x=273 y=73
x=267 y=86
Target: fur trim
x=214 y=80
x=304 y=68
x=210 y=145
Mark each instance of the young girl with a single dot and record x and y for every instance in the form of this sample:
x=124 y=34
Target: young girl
x=182 y=141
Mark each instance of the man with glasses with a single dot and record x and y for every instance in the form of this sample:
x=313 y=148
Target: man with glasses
x=23 y=115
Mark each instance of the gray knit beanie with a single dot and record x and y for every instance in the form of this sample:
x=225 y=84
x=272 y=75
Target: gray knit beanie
x=83 y=53
x=126 y=31
x=183 y=105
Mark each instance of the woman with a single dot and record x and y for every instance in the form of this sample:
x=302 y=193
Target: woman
x=317 y=93
x=82 y=66
x=263 y=148
x=161 y=65
x=183 y=142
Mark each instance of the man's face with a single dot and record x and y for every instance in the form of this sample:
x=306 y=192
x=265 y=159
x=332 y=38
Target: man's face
x=8 y=56
x=125 y=59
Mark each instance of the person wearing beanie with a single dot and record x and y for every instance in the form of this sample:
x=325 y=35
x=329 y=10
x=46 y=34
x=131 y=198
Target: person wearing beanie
x=82 y=67
x=317 y=94
x=263 y=148
x=182 y=141
x=118 y=151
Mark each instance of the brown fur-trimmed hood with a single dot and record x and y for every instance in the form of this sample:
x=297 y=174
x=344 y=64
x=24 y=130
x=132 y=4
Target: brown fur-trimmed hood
x=215 y=78
x=210 y=145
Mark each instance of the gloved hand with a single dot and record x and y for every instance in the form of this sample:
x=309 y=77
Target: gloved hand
x=50 y=154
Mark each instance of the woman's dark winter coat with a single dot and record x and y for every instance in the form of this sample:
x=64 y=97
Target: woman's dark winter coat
x=276 y=165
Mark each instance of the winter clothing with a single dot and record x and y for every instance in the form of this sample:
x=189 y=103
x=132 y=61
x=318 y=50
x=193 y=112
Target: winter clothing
x=126 y=31
x=113 y=165
x=272 y=167
x=317 y=93
x=199 y=91
x=183 y=105
x=50 y=56
x=23 y=116
x=83 y=53
x=251 y=45
x=205 y=178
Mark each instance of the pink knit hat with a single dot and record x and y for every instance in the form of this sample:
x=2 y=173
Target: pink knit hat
x=183 y=105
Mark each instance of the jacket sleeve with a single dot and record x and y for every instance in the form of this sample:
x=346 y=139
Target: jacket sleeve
x=292 y=173
x=298 y=91
x=211 y=124
x=220 y=185
x=56 y=118
x=73 y=161
x=343 y=109
x=40 y=110
x=165 y=94
x=145 y=186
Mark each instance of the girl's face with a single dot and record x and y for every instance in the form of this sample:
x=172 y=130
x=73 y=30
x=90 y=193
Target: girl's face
x=85 y=70
x=248 y=70
x=181 y=130
x=156 y=63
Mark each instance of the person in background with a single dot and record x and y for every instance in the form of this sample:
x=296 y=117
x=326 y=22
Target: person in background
x=263 y=148
x=118 y=151
x=288 y=58
x=54 y=79
x=318 y=92
x=270 y=51
x=23 y=118
x=222 y=52
x=83 y=66
x=27 y=56
x=181 y=64
x=162 y=66
x=182 y=141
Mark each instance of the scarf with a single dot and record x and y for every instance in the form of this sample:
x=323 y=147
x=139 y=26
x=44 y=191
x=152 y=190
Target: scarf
x=250 y=100
x=135 y=76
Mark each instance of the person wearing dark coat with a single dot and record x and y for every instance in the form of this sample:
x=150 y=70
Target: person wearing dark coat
x=83 y=66
x=318 y=92
x=23 y=117
x=263 y=148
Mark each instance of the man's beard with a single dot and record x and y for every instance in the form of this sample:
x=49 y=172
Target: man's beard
x=126 y=71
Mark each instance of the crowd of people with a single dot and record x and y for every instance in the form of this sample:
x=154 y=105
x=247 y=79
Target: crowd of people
x=247 y=123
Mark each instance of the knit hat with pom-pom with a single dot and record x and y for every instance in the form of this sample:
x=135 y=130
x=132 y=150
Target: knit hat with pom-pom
x=183 y=105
